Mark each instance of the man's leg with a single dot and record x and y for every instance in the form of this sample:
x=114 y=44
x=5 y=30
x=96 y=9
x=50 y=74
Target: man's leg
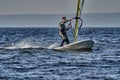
x=67 y=41
x=62 y=42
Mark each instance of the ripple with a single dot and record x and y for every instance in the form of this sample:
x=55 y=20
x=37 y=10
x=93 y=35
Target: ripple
x=23 y=69
x=103 y=63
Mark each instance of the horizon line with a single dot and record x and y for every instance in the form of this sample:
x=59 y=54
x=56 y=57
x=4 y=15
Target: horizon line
x=58 y=14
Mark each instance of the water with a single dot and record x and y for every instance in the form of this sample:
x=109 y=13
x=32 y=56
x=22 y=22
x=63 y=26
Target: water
x=22 y=56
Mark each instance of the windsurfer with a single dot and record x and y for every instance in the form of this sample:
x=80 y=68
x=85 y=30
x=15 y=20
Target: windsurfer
x=63 y=29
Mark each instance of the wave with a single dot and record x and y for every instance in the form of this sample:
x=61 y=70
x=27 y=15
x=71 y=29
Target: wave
x=28 y=43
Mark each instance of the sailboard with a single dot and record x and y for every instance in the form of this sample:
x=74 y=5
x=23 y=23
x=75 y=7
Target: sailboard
x=79 y=45
x=76 y=45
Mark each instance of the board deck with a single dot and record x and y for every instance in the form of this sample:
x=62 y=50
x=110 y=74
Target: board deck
x=79 y=45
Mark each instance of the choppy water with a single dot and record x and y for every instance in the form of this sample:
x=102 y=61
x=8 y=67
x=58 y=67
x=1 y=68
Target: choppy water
x=21 y=56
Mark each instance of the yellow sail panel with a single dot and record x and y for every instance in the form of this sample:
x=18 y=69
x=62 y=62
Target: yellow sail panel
x=77 y=22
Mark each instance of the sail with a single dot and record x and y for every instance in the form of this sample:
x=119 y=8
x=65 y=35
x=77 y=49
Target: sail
x=80 y=4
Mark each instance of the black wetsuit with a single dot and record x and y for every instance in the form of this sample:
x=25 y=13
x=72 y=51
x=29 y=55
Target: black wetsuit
x=62 y=33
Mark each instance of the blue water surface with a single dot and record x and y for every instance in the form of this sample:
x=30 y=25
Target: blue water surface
x=22 y=56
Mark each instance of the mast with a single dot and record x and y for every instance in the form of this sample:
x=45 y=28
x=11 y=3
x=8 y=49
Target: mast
x=77 y=22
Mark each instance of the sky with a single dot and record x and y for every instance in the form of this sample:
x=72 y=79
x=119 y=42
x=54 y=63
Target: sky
x=20 y=7
x=57 y=6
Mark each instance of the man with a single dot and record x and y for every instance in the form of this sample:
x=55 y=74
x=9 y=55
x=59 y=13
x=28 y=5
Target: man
x=63 y=29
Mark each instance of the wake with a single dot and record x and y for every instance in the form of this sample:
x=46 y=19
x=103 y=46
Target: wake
x=29 y=43
x=21 y=45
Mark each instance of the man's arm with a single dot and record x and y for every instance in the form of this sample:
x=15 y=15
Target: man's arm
x=69 y=26
x=69 y=20
x=66 y=21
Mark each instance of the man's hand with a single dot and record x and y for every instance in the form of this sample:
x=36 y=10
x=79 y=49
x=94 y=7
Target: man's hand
x=76 y=17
